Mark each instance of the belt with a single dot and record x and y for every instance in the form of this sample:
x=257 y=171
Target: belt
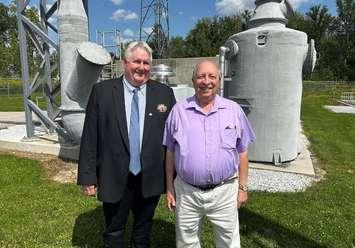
x=212 y=186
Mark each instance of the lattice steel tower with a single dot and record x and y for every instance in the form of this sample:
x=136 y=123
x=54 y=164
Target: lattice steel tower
x=154 y=26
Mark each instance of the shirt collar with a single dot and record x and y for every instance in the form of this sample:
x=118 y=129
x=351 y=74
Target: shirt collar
x=191 y=102
x=130 y=87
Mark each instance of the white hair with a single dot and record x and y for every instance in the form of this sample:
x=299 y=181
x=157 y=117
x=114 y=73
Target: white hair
x=197 y=67
x=135 y=45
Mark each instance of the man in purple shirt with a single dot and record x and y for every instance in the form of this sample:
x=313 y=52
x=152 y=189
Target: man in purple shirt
x=207 y=138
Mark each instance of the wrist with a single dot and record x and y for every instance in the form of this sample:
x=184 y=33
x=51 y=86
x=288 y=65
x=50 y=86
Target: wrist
x=170 y=188
x=243 y=188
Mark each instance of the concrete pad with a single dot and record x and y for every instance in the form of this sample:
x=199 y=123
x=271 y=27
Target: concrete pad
x=301 y=165
x=294 y=176
x=14 y=138
x=340 y=109
x=13 y=118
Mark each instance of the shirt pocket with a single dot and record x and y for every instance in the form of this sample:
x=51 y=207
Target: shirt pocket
x=229 y=138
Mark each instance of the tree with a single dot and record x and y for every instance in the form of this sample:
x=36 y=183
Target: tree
x=319 y=21
x=211 y=33
x=9 y=46
x=346 y=36
x=177 y=47
x=9 y=63
x=245 y=17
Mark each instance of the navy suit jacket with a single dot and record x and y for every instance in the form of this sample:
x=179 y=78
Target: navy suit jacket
x=104 y=150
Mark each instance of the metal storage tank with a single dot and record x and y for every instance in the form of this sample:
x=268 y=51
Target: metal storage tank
x=162 y=73
x=265 y=65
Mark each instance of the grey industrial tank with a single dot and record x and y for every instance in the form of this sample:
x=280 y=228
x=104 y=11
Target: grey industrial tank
x=265 y=66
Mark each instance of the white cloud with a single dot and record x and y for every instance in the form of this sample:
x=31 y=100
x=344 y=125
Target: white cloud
x=122 y=14
x=180 y=13
x=117 y=2
x=128 y=32
x=296 y=3
x=233 y=7
x=126 y=40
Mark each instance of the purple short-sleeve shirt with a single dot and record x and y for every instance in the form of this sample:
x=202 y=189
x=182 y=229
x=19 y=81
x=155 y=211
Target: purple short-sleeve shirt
x=206 y=146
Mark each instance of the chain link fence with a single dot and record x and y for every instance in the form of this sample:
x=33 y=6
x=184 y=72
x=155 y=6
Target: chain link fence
x=12 y=87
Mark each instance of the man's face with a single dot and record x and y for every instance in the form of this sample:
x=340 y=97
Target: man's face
x=206 y=82
x=137 y=67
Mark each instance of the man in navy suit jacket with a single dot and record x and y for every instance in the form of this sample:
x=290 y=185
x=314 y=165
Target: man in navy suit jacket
x=104 y=161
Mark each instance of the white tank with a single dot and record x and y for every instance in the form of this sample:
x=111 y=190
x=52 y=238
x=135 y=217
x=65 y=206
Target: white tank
x=265 y=71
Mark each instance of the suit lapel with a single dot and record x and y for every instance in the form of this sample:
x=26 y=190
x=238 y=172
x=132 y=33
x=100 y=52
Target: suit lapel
x=120 y=110
x=149 y=112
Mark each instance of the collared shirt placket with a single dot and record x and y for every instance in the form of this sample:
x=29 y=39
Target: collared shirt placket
x=208 y=126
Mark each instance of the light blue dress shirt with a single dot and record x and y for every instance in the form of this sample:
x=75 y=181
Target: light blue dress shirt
x=128 y=97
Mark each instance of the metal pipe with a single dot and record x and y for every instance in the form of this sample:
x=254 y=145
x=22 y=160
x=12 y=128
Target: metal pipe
x=24 y=67
x=222 y=61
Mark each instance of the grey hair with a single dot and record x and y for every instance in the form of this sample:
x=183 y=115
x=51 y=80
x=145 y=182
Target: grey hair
x=196 y=67
x=138 y=44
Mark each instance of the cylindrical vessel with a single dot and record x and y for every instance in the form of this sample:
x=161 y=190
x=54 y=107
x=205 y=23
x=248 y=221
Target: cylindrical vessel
x=80 y=65
x=266 y=79
x=90 y=58
x=162 y=72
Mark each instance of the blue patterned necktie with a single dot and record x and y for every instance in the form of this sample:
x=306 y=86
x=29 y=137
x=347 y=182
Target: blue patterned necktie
x=134 y=142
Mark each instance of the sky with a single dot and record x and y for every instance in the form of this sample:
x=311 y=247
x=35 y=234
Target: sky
x=124 y=15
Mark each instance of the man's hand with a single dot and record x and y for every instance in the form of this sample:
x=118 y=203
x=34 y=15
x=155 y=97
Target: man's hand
x=90 y=190
x=170 y=199
x=242 y=198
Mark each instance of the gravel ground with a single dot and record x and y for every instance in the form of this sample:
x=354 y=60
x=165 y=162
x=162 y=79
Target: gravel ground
x=274 y=181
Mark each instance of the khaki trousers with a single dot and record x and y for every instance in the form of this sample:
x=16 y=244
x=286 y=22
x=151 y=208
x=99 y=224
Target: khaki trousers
x=219 y=205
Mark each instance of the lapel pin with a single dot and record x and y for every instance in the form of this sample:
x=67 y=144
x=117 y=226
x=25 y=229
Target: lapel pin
x=150 y=114
x=162 y=108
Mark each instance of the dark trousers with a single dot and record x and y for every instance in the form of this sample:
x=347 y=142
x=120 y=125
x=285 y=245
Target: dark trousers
x=116 y=216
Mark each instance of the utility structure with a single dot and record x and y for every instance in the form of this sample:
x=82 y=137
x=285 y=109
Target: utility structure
x=264 y=75
x=80 y=63
x=154 y=26
x=111 y=41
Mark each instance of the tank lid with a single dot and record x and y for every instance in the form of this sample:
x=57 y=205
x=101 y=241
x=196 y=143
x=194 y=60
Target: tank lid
x=94 y=53
x=162 y=70
x=269 y=11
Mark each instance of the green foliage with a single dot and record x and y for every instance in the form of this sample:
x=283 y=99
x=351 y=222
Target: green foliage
x=10 y=81
x=9 y=63
x=9 y=45
x=177 y=47
x=206 y=37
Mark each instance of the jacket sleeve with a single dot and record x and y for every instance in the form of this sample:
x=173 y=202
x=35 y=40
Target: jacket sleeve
x=172 y=98
x=88 y=156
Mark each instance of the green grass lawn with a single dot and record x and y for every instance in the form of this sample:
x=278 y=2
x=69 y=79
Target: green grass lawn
x=15 y=103
x=36 y=212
